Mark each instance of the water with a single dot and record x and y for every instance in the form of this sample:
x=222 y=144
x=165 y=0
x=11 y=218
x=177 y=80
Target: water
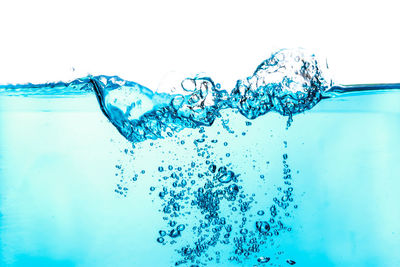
x=202 y=176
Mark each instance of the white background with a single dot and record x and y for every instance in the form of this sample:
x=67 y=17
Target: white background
x=143 y=41
x=51 y=200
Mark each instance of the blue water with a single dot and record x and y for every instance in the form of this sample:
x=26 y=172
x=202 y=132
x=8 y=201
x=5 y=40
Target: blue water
x=202 y=176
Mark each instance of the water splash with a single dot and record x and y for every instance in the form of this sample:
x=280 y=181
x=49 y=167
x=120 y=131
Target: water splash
x=140 y=114
x=289 y=82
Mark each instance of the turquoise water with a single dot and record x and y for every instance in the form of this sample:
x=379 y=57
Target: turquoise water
x=211 y=182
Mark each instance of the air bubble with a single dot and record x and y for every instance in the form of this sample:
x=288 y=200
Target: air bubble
x=291 y=262
x=263 y=227
x=263 y=259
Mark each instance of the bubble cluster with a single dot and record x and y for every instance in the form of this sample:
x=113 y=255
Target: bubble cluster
x=289 y=82
x=208 y=214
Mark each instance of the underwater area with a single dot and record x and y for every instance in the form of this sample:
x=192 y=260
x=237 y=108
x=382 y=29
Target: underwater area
x=274 y=172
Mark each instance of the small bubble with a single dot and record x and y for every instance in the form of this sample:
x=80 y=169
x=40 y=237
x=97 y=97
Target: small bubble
x=243 y=231
x=160 y=169
x=263 y=259
x=291 y=262
x=152 y=188
x=160 y=240
x=174 y=233
x=225 y=143
x=224 y=176
x=212 y=168
x=260 y=212
x=263 y=227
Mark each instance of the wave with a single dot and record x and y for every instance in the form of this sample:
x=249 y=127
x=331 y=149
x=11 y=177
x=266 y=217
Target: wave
x=289 y=82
